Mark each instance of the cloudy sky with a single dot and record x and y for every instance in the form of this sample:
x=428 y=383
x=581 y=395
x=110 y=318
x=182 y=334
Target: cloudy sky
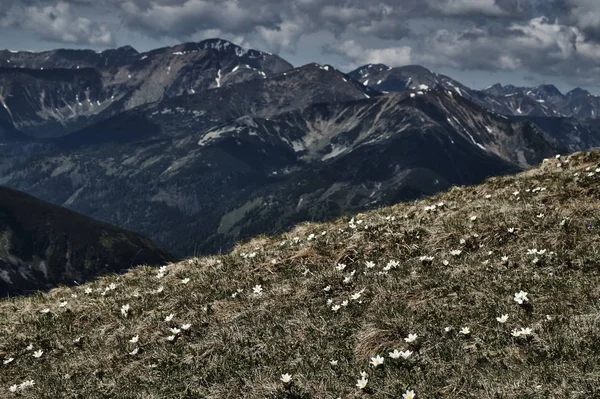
x=479 y=42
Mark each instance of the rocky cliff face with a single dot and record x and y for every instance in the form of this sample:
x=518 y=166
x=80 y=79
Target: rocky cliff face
x=42 y=245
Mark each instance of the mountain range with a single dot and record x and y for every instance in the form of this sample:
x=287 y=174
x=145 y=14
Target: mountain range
x=201 y=145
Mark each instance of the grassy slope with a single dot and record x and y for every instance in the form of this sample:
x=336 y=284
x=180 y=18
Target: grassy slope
x=238 y=347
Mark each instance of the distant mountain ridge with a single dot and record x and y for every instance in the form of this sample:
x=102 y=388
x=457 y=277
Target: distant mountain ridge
x=541 y=101
x=55 y=93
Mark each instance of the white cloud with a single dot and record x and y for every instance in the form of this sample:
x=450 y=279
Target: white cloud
x=183 y=19
x=283 y=37
x=358 y=55
x=468 y=7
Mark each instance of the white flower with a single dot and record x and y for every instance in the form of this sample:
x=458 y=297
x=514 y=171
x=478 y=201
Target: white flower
x=29 y=347
x=370 y=265
x=13 y=388
x=169 y=318
x=526 y=331
x=395 y=354
x=327 y=289
x=515 y=333
x=63 y=304
x=511 y=230
x=8 y=360
x=356 y=296
x=185 y=326
x=344 y=303
x=329 y=302
x=26 y=384
x=473 y=218
x=502 y=319
x=285 y=378
x=364 y=375
x=37 y=354
x=504 y=259
x=171 y=338
x=516 y=193
x=362 y=383
x=134 y=352
x=112 y=286
x=426 y=259
x=76 y=340
x=135 y=339
x=448 y=329
x=311 y=237
x=125 y=310
x=340 y=266
x=335 y=308
x=185 y=281
x=159 y=290
x=410 y=338
x=257 y=289
x=47 y=310
x=347 y=280
x=408 y=395
x=445 y=263
x=488 y=196
x=462 y=241
x=376 y=361
x=393 y=264
x=521 y=297
x=88 y=291
x=406 y=354
x=455 y=252
x=175 y=330
x=333 y=362
x=465 y=331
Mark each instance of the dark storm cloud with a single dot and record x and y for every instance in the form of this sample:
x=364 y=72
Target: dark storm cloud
x=54 y=21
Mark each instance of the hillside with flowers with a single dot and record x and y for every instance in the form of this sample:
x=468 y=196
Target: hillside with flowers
x=488 y=291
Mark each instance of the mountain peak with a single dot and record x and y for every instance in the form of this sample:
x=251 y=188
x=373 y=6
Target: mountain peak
x=222 y=45
x=578 y=91
x=124 y=50
x=549 y=89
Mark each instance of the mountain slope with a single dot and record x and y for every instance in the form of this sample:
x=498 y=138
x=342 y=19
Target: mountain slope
x=208 y=189
x=288 y=305
x=264 y=98
x=52 y=102
x=42 y=245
